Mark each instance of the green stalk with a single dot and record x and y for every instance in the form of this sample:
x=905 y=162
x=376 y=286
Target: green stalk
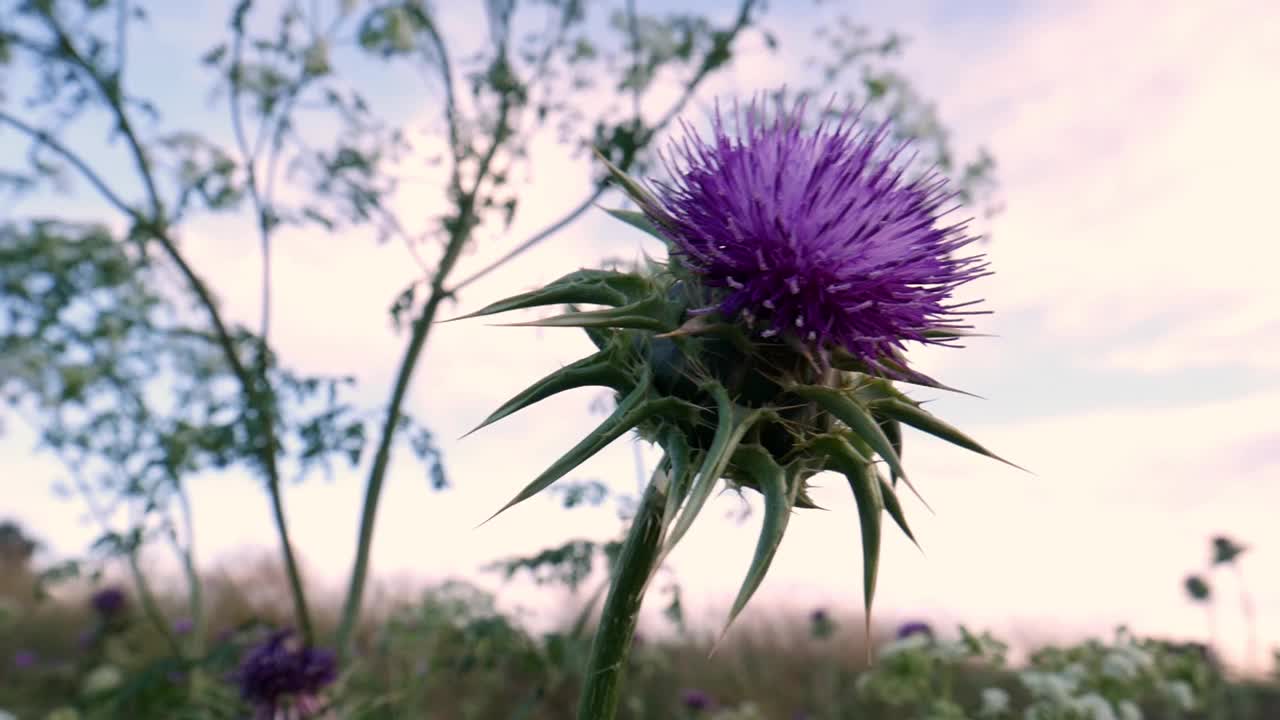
x=605 y=669
x=1250 y=618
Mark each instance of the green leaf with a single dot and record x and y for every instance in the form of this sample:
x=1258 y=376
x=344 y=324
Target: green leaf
x=632 y=411
x=894 y=508
x=905 y=374
x=865 y=484
x=778 y=501
x=648 y=314
x=600 y=369
x=637 y=220
x=590 y=287
x=732 y=425
x=892 y=430
x=599 y=337
x=677 y=449
x=859 y=420
x=911 y=414
x=633 y=189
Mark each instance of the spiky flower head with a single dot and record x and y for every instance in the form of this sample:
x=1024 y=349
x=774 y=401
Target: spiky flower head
x=278 y=674
x=764 y=351
x=817 y=235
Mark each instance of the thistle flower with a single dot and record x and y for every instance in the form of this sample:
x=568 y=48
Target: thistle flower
x=819 y=235
x=183 y=626
x=276 y=675
x=696 y=700
x=24 y=659
x=764 y=351
x=108 y=602
x=821 y=624
x=915 y=627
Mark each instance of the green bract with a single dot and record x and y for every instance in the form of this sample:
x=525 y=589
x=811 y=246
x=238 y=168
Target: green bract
x=725 y=406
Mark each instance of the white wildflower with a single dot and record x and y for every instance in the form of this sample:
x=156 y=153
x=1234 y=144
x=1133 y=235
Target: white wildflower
x=995 y=702
x=103 y=678
x=1095 y=707
x=915 y=641
x=1181 y=694
x=1056 y=687
x=1120 y=666
x=1129 y=710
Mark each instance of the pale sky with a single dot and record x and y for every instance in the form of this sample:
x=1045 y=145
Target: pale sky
x=1136 y=368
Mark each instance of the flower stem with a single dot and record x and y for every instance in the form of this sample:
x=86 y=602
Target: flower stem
x=1250 y=618
x=612 y=644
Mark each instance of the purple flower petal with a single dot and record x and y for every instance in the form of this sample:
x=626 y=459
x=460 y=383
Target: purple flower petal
x=818 y=236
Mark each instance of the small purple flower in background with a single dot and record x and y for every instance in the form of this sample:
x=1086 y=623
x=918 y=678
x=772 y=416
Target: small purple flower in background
x=183 y=626
x=278 y=674
x=917 y=627
x=24 y=659
x=816 y=236
x=696 y=700
x=821 y=624
x=108 y=602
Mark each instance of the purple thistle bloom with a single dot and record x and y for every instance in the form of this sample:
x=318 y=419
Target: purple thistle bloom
x=816 y=236
x=915 y=628
x=183 y=626
x=108 y=602
x=696 y=700
x=24 y=659
x=276 y=674
x=819 y=617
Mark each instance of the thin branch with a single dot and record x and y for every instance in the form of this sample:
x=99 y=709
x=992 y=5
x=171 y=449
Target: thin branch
x=705 y=69
x=158 y=229
x=633 y=27
x=249 y=159
x=112 y=92
x=122 y=41
x=149 y=605
x=450 y=98
x=535 y=239
x=43 y=138
x=460 y=233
